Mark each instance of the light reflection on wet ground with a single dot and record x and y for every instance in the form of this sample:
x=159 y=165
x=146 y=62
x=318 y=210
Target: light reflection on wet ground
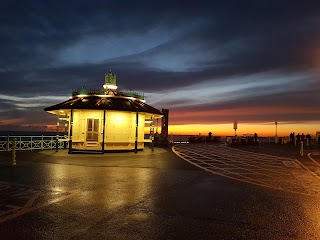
x=152 y=196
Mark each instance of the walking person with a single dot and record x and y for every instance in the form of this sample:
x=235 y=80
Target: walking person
x=298 y=137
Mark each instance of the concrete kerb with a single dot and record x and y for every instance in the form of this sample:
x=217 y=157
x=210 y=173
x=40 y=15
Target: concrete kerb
x=308 y=169
x=313 y=160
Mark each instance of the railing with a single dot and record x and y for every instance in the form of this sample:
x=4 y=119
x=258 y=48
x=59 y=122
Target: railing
x=30 y=143
x=223 y=139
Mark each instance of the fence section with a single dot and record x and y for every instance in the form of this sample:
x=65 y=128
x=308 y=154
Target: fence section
x=30 y=143
x=222 y=139
x=50 y=142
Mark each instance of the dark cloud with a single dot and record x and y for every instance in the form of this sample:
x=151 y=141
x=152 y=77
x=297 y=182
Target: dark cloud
x=194 y=42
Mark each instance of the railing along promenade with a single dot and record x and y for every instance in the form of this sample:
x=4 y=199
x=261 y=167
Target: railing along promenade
x=222 y=139
x=44 y=142
x=30 y=143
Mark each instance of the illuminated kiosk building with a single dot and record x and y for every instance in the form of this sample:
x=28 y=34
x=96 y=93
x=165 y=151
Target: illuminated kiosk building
x=106 y=119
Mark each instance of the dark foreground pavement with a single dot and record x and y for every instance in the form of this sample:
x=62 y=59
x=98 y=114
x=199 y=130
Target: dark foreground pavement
x=149 y=195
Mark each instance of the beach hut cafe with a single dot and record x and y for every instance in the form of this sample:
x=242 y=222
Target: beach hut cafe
x=106 y=119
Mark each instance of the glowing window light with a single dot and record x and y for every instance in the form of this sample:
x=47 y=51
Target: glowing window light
x=132 y=98
x=105 y=86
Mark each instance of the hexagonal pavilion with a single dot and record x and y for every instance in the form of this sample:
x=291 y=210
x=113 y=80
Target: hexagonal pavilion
x=106 y=119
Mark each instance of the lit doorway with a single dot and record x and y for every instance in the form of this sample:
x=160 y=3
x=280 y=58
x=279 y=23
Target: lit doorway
x=92 y=130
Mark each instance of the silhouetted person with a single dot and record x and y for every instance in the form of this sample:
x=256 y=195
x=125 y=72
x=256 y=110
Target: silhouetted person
x=292 y=137
x=302 y=137
x=255 y=138
x=298 y=137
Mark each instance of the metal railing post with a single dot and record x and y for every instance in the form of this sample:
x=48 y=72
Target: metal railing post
x=57 y=144
x=14 y=152
x=31 y=143
x=41 y=142
x=8 y=143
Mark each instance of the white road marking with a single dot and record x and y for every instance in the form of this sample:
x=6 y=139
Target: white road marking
x=260 y=169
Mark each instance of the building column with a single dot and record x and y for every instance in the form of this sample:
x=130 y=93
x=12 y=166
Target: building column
x=136 y=139
x=164 y=126
x=70 y=131
x=57 y=135
x=103 y=129
x=152 y=133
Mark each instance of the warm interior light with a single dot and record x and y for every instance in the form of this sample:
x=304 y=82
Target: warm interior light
x=132 y=98
x=105 y=86
x=120 y=118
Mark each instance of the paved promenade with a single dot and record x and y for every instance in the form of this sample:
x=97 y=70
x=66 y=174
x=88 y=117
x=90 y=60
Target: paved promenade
x=210 y=192
x=279 y=169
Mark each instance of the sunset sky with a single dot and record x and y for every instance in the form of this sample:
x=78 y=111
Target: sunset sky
x=209 y=62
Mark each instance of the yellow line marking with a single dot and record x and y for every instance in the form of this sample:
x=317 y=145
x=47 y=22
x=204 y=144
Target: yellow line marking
x=308 y=169
x=242 y=180
x=309 y=156
x=31 y=200
x=276 y=169
x=30 y=209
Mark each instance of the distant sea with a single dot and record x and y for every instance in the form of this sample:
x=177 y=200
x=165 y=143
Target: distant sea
x=25 y=133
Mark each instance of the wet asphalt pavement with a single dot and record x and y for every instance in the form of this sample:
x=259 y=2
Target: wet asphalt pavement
x=149 y=195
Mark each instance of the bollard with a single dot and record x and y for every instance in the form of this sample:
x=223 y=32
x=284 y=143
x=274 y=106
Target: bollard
x=14 y=152
x=301 y=148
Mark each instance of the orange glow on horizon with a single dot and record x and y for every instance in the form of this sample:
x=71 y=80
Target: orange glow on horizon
x=218 y=129
x=262 y=129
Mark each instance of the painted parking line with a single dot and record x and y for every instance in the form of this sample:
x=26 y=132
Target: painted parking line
x=17 y=200
x=254 y=168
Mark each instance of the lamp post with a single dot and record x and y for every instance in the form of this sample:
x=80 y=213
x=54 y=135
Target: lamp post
x=276 y=140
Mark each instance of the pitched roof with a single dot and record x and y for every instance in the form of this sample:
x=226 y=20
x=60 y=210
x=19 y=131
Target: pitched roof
x=118 y=103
